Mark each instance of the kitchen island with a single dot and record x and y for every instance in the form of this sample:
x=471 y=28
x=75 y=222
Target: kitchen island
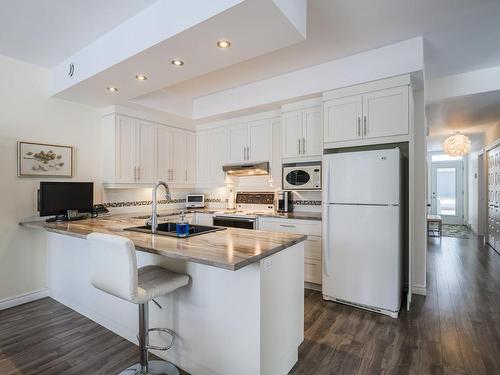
x=242 y=312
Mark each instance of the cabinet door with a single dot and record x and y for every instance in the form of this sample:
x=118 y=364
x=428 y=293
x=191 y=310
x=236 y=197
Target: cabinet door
x=146 y=162
x=179 y=155
x=126 y=149
x=203 y=157
x=342 y=119
x=313 y=143
x=385 y=113
x=218 y=156
x=237 y=142
x=164 y=147
x=292 y=134
x=259 y=141
x=191 y=157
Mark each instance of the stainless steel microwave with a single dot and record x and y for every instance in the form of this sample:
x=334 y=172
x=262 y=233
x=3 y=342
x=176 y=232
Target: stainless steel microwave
x=302 y=176
x=195 y=200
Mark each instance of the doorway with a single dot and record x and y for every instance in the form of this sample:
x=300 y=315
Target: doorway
x=447 y=191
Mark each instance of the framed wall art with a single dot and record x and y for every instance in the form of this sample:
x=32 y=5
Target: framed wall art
x=39 y=159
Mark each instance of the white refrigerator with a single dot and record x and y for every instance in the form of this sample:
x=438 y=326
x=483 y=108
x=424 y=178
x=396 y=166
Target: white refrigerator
x=362 y=236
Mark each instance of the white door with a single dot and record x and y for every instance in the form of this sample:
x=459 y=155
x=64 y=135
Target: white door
x=368 y=177
x=447 y=191
x=126 y=146
x=292 y=134
x=218 y=156
x=179 y=156
x=342 y=119
x=259 y=141
x=385 y=113
x=362 y=255
x=203 y=153
x=237 y=138
x=147 y=152
x=312 y=129
x=164 y=144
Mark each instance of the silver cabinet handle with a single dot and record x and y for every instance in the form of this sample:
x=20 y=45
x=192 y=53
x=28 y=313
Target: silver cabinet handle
x=287 y=225
x=138 y=173
x=172 y=175
x=303 y=145
x=244 y=153
x=135 y=173
x=248 y=153
x=186 y=173
x=364 y=124
x=359 y=126
x=299 y=146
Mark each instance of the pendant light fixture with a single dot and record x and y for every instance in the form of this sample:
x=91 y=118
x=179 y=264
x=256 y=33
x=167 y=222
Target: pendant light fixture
x=457 y=145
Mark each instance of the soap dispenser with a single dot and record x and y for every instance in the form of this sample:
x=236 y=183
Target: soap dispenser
x=182 y=227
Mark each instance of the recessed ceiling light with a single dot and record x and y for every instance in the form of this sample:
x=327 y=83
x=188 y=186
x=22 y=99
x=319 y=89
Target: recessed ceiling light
x=112 y=89
x=141 y=77
x=223 y=43
x=177 y=62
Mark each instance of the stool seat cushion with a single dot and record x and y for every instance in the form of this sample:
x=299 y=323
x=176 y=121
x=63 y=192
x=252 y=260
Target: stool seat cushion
x=155 y=281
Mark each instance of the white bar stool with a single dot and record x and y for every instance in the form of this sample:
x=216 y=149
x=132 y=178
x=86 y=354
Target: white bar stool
x=113 y=269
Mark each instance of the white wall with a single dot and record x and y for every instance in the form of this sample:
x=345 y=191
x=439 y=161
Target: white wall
x=28 y=113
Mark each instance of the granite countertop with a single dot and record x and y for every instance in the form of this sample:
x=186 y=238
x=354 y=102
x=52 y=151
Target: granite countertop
x=230 y=249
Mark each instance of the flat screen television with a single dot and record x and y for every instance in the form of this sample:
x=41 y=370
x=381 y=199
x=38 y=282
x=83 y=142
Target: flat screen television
x=56 y=198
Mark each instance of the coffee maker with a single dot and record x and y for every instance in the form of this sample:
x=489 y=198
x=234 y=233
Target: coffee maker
x=285 y=201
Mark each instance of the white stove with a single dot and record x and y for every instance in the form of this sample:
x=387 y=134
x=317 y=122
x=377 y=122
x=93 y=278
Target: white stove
x=248 y=207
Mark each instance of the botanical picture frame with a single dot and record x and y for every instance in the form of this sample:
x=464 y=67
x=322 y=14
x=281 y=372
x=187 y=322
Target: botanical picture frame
x=44 y=160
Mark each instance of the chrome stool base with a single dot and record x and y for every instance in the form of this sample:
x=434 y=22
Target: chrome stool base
x=154 y=368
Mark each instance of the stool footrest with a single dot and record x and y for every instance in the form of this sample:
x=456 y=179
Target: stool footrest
x=165 y=330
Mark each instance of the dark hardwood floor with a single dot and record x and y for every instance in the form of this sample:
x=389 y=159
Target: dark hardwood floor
x=454 y=330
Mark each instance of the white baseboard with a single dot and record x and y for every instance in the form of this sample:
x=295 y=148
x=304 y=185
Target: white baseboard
x=312 y=286
x=23 y=298
x=418 y=289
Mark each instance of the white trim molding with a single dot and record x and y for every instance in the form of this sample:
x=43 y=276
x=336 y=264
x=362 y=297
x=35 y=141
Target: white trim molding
x=419 y=289
x=23 y=298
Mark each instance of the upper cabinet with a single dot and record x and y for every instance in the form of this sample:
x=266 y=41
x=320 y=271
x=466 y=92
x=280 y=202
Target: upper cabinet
x=211 y=152
x=141 y=152
x=374 y=114
x=249 y=142
x=301 y=134
x=176 y=156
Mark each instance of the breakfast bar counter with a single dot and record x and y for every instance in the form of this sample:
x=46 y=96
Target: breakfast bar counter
x=230 y=249
x=241 y=313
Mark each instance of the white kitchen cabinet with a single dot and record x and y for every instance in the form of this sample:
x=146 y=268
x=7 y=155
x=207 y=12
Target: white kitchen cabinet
x=302 y=133
x=249 y=142
x=237 y=143
x=312 y=245
x=135 y=151
x=202 y=218
x=211 y=153
x=343 y=119
x=371 y=113
x=385 y=113
x=175 y=156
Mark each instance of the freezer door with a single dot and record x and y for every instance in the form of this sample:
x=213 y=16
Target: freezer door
x=369 y=177
x=362 y=255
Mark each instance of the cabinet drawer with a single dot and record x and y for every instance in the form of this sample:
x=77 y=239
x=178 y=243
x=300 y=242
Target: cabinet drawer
x=308 y=227
x=312 y=271
x=312 y=248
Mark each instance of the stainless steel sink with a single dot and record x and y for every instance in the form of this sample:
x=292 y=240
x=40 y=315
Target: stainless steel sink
x=169 y=229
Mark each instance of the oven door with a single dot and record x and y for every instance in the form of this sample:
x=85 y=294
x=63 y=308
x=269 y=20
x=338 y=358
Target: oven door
x=234 y=222
x=297 y=178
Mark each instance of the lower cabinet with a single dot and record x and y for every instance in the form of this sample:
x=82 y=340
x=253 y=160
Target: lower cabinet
x=201 y=218
x=312 y=246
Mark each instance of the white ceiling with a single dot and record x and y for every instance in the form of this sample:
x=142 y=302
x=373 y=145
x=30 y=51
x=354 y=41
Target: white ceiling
x=460 y=35
x=454 y=41
x=45 y=32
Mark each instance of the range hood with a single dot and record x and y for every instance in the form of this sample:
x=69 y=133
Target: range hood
x=249 y=169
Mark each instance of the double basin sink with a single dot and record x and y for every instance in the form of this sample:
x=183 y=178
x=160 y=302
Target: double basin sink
x=170 y=229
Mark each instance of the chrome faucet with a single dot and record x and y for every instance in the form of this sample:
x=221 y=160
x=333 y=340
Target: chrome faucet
x=153 y=220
